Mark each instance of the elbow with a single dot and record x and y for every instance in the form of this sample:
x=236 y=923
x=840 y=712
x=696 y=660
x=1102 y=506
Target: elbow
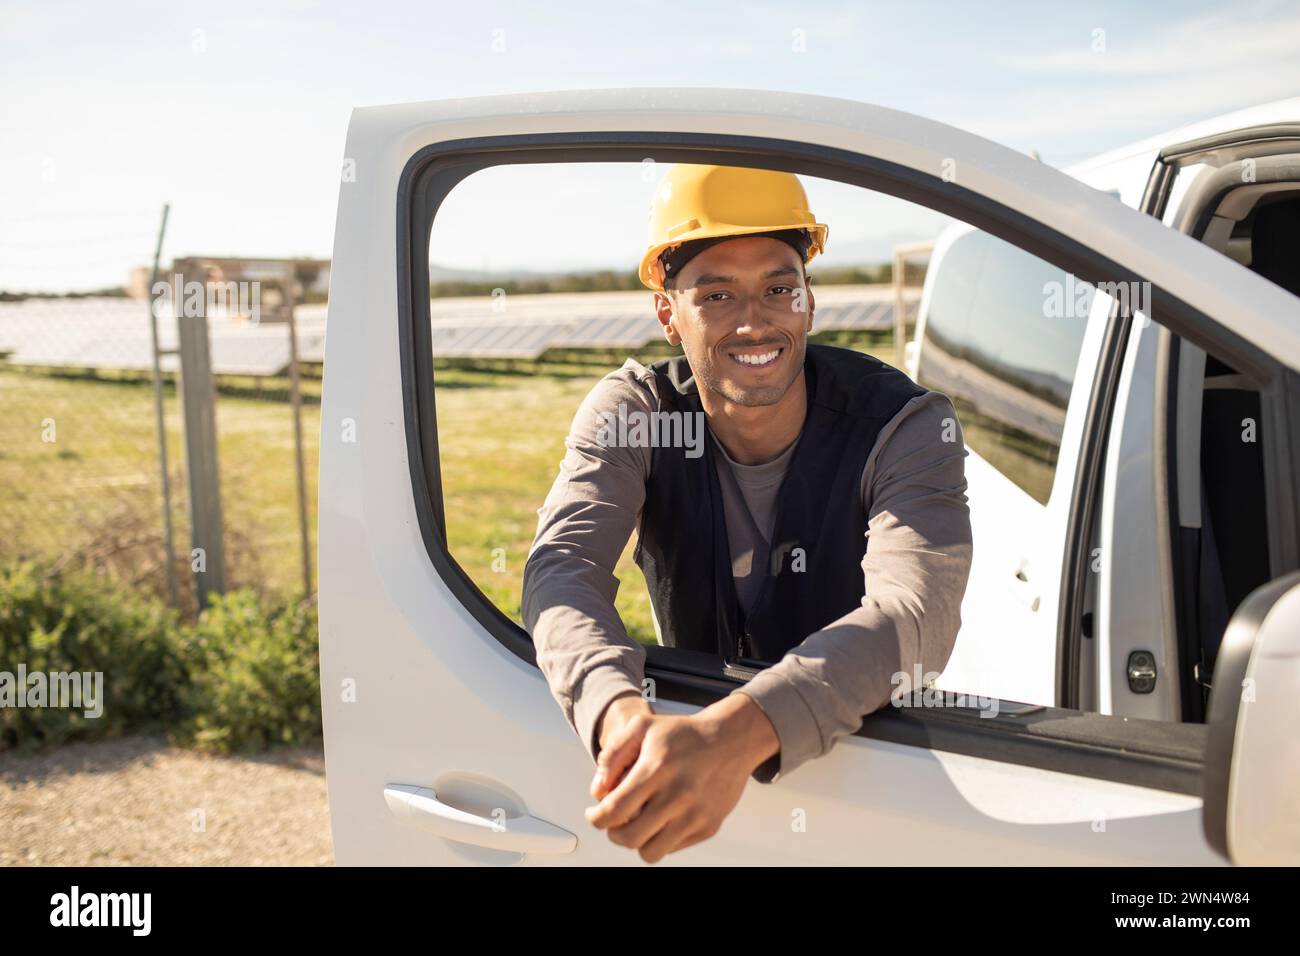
x=940 y=639
x=529 y=609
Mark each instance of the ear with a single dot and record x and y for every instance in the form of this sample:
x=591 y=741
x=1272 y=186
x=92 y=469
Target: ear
x=664 y=313
x=812 y=306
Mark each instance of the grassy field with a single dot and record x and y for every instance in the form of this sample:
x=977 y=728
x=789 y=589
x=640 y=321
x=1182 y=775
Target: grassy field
x=501 y=439
x=94 y=490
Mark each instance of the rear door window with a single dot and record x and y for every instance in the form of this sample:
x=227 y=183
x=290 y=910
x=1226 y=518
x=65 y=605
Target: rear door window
x=1002 y=338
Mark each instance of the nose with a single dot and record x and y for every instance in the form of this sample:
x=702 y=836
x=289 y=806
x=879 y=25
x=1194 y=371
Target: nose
x=754 y=317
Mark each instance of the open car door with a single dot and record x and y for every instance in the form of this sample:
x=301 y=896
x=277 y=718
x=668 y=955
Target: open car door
x=443 y=743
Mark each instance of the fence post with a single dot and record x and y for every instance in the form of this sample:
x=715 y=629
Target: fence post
x=901 y=254
x=900 y=313
x=169 y=551
x=295 y=399
x=198 y=402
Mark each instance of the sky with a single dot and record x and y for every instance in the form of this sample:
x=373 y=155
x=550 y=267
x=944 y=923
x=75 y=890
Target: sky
x=236 y=113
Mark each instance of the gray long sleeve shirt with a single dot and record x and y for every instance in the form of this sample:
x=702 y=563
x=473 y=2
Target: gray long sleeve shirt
x=914 y=571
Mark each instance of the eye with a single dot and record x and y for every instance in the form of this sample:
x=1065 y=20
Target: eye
x=710 y=296
x=781 y=289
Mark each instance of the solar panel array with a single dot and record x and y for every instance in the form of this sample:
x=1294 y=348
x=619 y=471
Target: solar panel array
x=114 y=333
x=527 y=326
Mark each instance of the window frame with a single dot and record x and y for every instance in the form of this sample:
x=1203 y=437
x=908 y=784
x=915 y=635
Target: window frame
x=1153 y=754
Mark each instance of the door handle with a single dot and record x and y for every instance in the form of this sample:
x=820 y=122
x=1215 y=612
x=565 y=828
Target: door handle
x=420 y=807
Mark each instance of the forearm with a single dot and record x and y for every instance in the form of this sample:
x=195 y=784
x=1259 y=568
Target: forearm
x=821 y=690
x=583 y=649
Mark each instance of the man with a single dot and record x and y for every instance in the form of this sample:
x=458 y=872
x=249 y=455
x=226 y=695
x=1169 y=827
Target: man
x=821 y=525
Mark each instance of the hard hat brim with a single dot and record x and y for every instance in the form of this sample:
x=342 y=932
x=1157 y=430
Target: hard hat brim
x=650 y=271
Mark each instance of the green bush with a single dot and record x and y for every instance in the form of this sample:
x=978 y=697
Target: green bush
x=244 y=677
x=78 y=623
x=254 y=675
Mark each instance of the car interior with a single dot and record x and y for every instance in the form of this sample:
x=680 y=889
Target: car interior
x=1214 y=433
x=1221 y=549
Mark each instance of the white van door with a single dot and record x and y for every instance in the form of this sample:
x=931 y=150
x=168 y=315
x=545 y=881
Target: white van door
x=443 y=743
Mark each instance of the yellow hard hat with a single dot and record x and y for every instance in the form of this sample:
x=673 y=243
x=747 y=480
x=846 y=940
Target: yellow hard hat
x=705 y=202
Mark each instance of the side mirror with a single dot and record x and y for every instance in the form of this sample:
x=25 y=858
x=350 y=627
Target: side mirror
x=1251 y=794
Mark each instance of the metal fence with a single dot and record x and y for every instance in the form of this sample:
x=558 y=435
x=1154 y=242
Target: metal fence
x=81 y=481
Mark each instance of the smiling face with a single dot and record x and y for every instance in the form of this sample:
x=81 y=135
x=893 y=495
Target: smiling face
x=741 y=310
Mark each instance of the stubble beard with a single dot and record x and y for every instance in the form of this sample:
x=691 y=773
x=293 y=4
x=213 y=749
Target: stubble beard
x=707 y=376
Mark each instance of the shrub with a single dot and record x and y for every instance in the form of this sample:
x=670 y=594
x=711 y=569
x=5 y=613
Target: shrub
x=74 y=623
x=254 y=675
x=243 y=678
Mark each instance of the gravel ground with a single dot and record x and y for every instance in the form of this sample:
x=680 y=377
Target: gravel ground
x=136 y=801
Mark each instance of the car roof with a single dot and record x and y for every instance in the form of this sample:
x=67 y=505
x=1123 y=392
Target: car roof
x=1265 y=114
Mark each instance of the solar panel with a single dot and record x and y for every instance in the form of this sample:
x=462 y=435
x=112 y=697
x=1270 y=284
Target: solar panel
x=261 y=351
x=615 y=331
x=499 y=340
x=311 y=346
x=872 y=316
x=114 y=333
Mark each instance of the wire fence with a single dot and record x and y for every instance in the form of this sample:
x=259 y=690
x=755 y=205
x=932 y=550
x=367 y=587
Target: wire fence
x=80 y=455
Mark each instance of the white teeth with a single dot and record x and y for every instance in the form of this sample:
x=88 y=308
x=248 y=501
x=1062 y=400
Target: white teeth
x=763 y=359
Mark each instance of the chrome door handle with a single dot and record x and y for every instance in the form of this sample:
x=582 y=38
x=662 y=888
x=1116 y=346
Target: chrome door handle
x=421 y=808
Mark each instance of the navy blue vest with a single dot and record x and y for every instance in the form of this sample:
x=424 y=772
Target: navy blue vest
x=814 y=574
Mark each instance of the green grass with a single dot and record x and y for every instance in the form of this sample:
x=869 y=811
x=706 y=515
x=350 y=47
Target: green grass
x=101 y=459
x=501 y=439
x=96 y=487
